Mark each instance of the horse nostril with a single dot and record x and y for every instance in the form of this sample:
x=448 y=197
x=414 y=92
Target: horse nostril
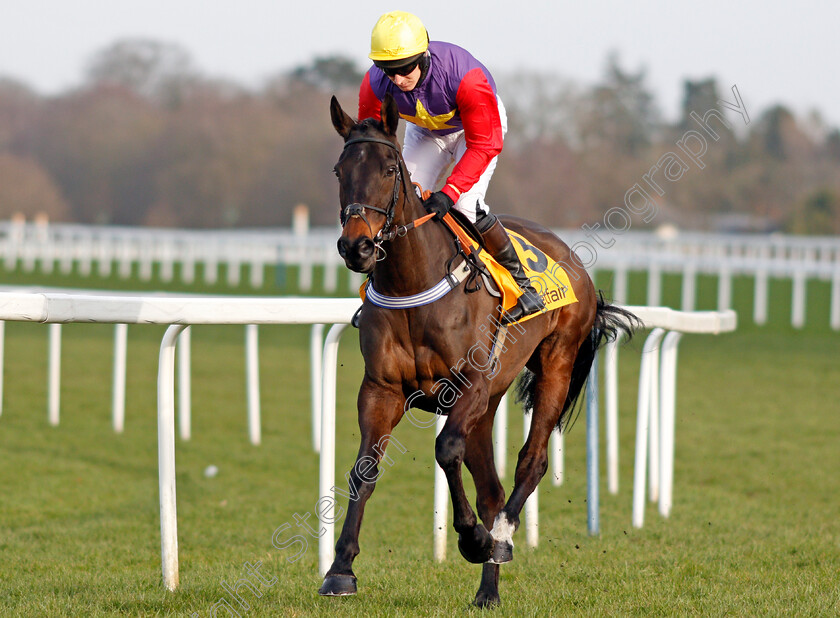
x=365 y=248
x=342 y=247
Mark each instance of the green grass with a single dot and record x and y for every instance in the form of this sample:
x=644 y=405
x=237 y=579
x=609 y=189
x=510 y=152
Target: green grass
x=755 y=527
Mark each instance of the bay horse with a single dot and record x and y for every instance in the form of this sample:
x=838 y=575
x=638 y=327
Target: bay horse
x=409 y=352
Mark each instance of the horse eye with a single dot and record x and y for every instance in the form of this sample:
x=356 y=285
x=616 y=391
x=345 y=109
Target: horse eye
x=391 y=171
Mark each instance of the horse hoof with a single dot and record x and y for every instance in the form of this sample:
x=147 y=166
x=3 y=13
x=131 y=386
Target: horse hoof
x=485 y=600
x=477 y=549
x=502 y=553
x=338 y=586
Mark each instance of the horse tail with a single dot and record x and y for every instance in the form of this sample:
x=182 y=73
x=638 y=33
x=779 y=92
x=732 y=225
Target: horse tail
x=610 y=322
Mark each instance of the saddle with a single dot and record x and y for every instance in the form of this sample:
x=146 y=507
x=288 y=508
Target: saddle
x=549 y=279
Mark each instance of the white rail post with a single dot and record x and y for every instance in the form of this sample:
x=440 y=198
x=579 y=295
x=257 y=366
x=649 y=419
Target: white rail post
x=118 y=399
x=355 y=281
x=211 y=265
x=642 y=426
x=653 y=424
x=611 y=412
x=556 y=446
x=234 y=269
x=48 y=256
x=54 y=393
x=167 y=260
x=166 y=457
x=124 y=264
x=835 y=298
x=441 y=502
x=105 y=259
x=668 y=407
x=188 y=264
x=532 y=503
x=500 y=425
x=2 y=355
x=592 y=498
x=797 y=313
x=689 y=287
x=654 y=285
x=330 y=275
x=252 y=376
x=760 y=297
x=65 y=263
x=256 y=274
x=146 y=261
x=327 y=462
x=724 y=300
x=85 y=259
x=305 y=269
x=316 y=351
x=185 y=383
x=620 y=286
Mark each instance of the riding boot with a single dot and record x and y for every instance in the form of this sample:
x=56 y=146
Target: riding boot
x=500 y=247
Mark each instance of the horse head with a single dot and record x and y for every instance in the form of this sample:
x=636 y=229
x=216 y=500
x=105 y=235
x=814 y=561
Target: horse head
x=370 y=172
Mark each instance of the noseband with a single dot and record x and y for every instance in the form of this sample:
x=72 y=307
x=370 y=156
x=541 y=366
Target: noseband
x=358 y=210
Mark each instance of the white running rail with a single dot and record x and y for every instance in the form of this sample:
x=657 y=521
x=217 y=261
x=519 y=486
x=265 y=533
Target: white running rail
x=166 y=253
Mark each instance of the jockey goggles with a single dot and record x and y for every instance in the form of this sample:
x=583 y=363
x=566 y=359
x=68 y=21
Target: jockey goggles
x=405 y=69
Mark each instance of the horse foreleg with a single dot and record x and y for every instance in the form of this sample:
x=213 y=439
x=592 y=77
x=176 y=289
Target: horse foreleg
x=379 y=412
x=532 y=462
x=474 y=541
x=490 y=496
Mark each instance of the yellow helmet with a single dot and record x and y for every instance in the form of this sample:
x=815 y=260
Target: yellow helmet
x=398 y=36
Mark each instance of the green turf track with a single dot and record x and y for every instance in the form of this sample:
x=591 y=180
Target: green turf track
x=755 y=528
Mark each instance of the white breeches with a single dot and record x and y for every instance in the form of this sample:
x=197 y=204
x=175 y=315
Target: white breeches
x=427 y=156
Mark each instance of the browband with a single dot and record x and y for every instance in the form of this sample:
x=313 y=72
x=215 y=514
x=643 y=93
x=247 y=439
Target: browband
x=375 y=140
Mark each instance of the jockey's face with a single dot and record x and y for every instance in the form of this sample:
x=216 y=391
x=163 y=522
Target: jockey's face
x=406 y=83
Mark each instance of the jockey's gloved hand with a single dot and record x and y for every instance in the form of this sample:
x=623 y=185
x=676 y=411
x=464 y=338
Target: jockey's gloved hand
x=438 y=203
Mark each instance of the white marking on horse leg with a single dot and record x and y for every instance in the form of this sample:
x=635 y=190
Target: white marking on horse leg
x=502 y=529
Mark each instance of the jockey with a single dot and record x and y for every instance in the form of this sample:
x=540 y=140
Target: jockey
x=449 y=101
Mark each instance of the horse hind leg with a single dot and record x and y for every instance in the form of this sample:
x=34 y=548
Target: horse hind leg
x=549 y=400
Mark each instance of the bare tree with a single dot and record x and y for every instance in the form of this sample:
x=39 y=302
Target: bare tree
x=159 y=71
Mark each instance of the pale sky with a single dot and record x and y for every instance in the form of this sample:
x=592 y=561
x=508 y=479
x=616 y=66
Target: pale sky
x=774 y=51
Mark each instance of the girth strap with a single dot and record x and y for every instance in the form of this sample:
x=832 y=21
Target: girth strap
x=443 y=287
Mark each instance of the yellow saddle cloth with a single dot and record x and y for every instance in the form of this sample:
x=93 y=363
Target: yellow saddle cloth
x=549 y=279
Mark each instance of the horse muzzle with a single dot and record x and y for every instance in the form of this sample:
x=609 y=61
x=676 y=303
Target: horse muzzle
x=359 y=254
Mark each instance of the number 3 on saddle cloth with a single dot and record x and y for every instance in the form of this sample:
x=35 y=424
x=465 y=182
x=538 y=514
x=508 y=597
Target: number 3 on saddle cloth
x=549 y=279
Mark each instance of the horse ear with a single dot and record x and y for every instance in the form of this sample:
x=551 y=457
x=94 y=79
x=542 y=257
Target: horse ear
x=341 y=121
x=390 y=114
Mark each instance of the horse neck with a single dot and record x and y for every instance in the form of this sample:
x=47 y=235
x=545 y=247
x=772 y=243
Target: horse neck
x=416 y=261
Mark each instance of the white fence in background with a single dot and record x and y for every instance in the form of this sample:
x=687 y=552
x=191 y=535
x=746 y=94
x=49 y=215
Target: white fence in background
x=245 y=255
x=655 y=415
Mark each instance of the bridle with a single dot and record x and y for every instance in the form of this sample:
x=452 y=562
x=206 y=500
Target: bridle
x=357 y=209
x=468 y=268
